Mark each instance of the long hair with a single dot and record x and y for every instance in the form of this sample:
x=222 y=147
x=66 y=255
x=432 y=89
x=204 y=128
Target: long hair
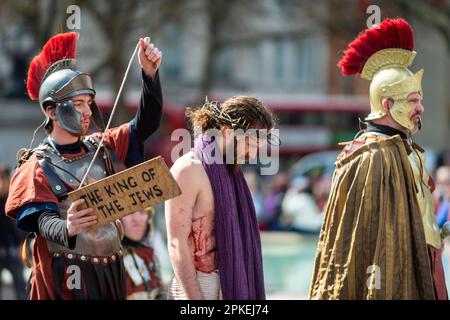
x=241 y=112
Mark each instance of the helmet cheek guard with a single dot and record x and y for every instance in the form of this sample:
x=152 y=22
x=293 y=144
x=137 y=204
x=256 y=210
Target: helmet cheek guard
x=58 y=90
x=54 y=80
x=68 y=117
x=97 y=117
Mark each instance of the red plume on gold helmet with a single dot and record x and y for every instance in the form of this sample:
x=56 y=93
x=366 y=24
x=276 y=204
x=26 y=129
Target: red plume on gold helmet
x=383 y=54
x=391 y=33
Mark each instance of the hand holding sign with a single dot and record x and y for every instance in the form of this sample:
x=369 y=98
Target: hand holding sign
x=128 y=191
x=78 y=220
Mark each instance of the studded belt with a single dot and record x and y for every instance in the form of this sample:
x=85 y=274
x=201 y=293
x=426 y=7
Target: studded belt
x=93 y=259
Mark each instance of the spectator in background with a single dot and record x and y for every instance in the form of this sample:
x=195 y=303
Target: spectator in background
x=321 y=191
x=271 y=220
x=143 y=277
x=10 y=240
x=446 y=158
x=443 y=191
x=300 y=211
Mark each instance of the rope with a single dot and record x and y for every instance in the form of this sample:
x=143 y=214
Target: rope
x=100 y=145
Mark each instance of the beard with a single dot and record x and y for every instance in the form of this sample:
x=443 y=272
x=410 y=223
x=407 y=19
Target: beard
x=237 y=160
x=417 y=120
x=85 y=124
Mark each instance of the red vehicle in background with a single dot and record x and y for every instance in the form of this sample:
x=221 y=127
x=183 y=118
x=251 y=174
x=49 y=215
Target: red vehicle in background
x=159 y=143
x=307 y=124
x=310 y=124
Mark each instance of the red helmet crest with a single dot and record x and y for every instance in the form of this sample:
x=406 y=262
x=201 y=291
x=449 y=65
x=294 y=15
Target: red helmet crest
x=391 y=33
x=58 y=47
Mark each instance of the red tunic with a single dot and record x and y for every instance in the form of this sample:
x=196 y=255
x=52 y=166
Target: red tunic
x=146 y=254
x=30 y=185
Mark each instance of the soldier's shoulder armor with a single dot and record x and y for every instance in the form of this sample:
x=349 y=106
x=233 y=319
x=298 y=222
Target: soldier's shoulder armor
x=70 y=170
x=65 y=174
x=366 y=138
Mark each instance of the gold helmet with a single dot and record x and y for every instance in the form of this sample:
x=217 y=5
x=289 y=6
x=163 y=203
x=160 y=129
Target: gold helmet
x=383 y=54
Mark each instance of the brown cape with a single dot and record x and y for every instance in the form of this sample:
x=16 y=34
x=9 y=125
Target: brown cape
x=372 y=244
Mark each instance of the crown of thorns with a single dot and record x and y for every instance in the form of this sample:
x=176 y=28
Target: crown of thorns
x=239 y=123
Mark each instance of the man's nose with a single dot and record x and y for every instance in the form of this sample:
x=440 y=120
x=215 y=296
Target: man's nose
x=420 y=108
x=87 y=112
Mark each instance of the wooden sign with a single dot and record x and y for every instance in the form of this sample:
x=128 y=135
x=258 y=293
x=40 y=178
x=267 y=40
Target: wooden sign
x=128 y=191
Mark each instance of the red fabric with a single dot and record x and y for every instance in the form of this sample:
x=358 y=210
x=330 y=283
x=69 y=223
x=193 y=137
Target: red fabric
x=146 y=254
x=58 y=47
x=437 y=271
x=117 y=139
x=30 y=185
x=41 y=281
x=431 y=184
x=391 y=33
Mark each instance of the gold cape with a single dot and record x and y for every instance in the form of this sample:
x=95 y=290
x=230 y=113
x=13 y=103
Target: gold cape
x=372 y=243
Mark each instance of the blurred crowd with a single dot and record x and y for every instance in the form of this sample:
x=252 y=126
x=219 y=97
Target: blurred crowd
x=297 y=202
x=288 y=201
x=11 y=239
x=442 y=193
